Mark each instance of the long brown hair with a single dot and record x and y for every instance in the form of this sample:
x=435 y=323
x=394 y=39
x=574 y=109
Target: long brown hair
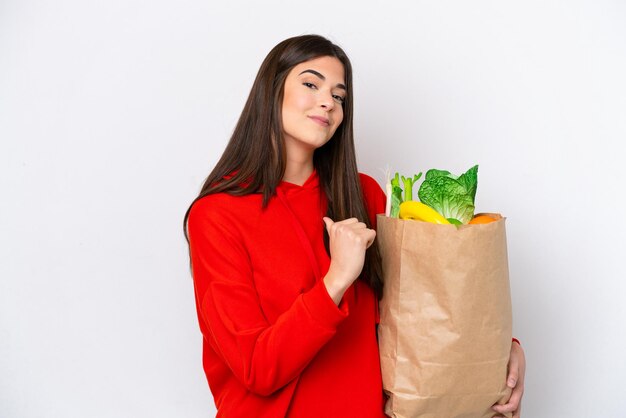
x=254 y=160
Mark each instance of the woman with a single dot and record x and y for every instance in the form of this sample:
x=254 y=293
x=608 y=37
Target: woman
x=286 y=270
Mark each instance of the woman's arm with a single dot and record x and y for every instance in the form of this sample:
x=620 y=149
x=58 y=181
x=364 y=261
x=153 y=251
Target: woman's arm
x=263 y=356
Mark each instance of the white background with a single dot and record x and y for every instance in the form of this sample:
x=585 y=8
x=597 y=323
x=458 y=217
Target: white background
x=112 y=113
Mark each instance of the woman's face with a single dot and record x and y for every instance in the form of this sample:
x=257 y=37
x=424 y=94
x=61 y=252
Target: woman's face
x=312 y=103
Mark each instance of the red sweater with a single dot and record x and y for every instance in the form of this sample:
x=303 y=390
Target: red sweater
x=275 y=344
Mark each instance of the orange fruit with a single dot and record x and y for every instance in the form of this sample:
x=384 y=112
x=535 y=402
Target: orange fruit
x=481 y=219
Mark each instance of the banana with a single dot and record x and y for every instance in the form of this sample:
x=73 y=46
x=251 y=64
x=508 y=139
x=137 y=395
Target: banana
x=421 y=212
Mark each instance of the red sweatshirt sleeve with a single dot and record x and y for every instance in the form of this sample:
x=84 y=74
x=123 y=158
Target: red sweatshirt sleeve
x=263 y=356
x=374 y=196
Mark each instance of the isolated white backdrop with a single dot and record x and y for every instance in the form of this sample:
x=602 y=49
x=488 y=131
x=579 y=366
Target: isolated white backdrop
x=112 y=113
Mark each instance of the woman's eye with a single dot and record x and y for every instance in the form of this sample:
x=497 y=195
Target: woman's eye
x=339 y=99
x=310 y=85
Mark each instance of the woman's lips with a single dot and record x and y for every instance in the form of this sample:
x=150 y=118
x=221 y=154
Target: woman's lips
x=320 y=120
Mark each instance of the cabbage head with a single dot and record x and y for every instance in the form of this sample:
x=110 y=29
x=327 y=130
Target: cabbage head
x=451 y=196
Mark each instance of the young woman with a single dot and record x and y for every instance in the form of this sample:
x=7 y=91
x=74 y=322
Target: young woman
x=286 y=268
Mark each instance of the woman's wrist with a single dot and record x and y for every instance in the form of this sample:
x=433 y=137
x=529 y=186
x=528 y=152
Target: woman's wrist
x=334 y=286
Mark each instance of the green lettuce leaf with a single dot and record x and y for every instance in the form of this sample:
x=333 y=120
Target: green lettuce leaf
x=451 y=196
x=396 y=200
x=396 y=196
x=469 y=180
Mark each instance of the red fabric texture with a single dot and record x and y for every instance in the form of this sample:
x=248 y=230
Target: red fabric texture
x=274 y=342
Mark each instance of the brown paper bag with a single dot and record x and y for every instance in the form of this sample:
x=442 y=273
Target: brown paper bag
x=445 y=318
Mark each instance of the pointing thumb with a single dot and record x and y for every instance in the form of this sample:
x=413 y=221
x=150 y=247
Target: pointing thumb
x=329 y=222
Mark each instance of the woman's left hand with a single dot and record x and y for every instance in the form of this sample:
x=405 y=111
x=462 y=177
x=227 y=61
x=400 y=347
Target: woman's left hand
x=515 y=380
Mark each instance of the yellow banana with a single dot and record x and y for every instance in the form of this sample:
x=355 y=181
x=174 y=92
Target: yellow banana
x=421 y=212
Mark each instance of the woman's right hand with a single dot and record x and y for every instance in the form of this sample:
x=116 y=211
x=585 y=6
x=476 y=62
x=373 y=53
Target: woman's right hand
x=348 y=240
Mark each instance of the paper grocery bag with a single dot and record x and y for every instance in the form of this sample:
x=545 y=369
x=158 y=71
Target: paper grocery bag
x=445 y=318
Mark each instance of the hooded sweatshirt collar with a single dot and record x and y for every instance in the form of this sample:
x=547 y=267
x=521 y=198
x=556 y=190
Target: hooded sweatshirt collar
x=311 y=183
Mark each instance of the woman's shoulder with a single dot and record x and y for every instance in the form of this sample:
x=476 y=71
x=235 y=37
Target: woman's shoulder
x=373 y=194
x=224 y=205
x=369 y=183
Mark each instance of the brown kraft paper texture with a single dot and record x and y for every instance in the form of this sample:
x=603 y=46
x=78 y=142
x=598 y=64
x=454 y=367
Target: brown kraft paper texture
x=445 y=318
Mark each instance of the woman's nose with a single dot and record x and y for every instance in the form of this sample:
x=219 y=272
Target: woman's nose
x=327 y=101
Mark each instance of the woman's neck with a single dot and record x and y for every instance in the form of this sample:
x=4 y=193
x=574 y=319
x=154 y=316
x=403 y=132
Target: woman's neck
x=297 y=172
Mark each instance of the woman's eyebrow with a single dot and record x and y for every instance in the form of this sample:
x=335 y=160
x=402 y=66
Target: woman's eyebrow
x=339 y=85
